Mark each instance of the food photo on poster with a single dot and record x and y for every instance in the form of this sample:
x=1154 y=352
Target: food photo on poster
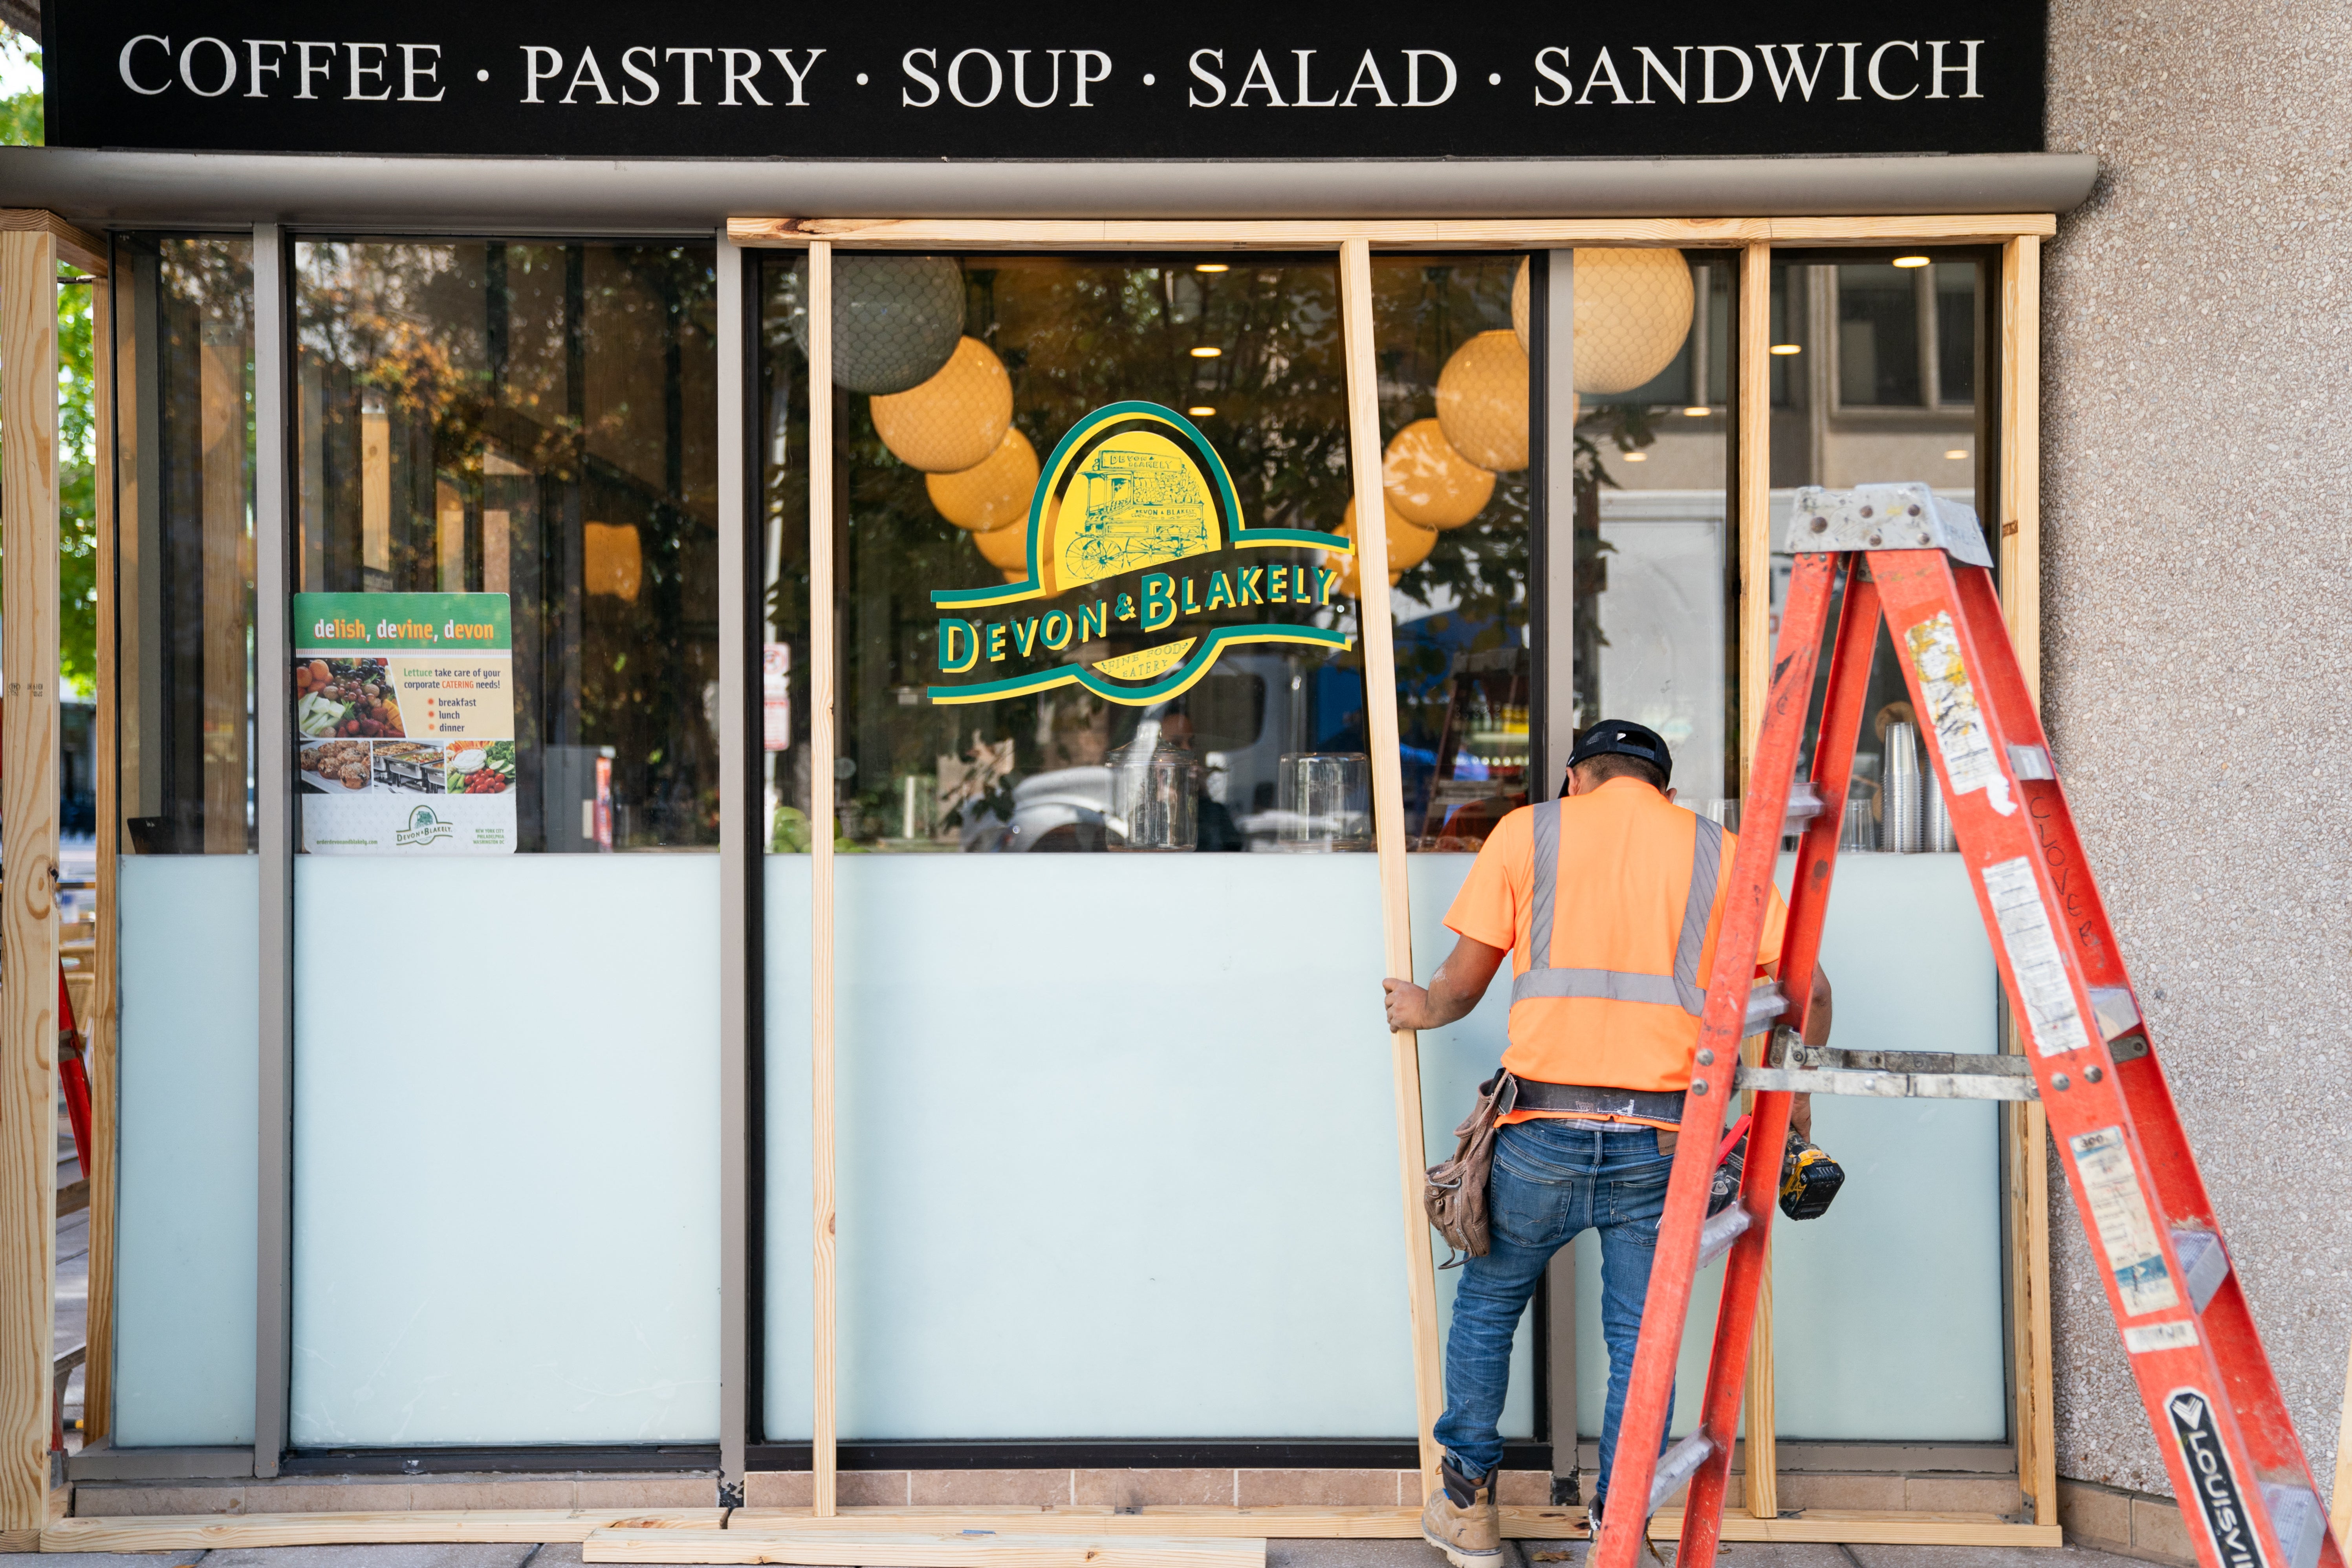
x=404 y=707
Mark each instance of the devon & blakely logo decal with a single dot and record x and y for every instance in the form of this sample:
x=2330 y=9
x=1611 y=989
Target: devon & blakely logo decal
x=1141 y=573
x=424 y=827
x=2212 y=1481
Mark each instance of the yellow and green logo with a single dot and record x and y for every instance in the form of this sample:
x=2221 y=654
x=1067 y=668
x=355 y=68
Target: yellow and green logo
x=1141 y=572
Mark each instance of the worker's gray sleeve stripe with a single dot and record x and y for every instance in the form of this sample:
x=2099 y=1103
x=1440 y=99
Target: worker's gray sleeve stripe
x=1597 y=984
x=1706 y=860
x=1545 y=894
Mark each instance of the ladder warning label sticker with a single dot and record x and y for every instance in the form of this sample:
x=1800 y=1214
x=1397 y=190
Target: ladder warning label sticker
x=2212 y=1481
x=2033 y=957
x=2177 y=1336
x=2119 y=1209
x=1960 y=733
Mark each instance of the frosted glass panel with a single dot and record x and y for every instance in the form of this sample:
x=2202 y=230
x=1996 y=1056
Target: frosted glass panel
x=785 y=1402
x=190 y=1132
x=1888 y=1309
x=1118 y=1151
x=506 y=1176
x=1453 y=1062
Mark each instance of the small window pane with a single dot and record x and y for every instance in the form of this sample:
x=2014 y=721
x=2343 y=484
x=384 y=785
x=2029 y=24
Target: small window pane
x=1878 y=338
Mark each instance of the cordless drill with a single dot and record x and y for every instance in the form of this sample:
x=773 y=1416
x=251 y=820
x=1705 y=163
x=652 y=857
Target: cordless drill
x=1809 y=1177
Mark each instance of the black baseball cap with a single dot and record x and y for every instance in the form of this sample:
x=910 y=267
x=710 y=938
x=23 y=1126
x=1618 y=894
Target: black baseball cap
x=1624 y=738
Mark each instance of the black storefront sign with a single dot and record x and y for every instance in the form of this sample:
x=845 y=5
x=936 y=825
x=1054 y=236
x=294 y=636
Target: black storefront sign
x=1218 y=79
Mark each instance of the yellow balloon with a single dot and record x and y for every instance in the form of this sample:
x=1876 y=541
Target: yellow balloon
x=1482 y=402
x=1633 y=312
x=993 y=493
x=1519 y=305
x=1428 y=482
x=1006 y=549
x=1408 y=543
x=954 y=421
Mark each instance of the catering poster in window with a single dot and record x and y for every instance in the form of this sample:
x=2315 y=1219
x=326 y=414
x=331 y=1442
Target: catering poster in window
x=404 y=721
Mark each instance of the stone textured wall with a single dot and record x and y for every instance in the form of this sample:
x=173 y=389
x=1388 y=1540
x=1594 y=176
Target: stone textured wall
x=2197 y=513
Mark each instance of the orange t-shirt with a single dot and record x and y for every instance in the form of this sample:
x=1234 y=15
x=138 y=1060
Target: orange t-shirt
x=1624 y=870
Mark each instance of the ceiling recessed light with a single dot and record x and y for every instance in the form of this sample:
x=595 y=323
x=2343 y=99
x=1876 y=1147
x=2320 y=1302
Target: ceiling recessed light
x=1211 y=266
x=1637 y=457
x=1787 y=348
x=1199 y=411
x=1957 y=452
x=1698 y=410
x=1206 y=351
x=1910 y=261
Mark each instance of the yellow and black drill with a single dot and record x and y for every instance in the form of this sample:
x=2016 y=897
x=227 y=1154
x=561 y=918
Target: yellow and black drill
x=1810 y=1179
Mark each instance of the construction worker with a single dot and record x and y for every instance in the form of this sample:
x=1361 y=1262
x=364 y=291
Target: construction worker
x=1608 y=901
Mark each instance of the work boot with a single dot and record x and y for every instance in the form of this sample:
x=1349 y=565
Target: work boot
x=1461 y=1521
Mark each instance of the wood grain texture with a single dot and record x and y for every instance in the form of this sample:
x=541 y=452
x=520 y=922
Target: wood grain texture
x=75 y=246
x=2019 y=515
x=824 y=738
x=206 y=1531
x=200 y=1532
x=2020 y=452
x=99 y=1013
x=1856 y=1526
x=1365 y=449
x=28 y=849
x=918 y=1548
x=1752 y=481
x=1413 y=233
x=2340 y=1518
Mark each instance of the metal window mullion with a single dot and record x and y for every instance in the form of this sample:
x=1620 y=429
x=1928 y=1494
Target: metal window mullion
x=274 y=1249
x=1558 y=358
x=735 y=1003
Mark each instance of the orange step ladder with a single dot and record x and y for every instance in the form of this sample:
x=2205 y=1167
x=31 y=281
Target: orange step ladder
x=1920 y=562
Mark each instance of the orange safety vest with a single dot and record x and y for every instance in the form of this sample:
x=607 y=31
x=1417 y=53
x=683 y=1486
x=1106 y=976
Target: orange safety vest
x=1616 y=934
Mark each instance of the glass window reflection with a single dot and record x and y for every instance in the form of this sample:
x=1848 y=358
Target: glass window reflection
x=534 y=419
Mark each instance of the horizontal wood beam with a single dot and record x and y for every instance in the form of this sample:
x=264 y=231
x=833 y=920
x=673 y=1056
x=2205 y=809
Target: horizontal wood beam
x=203 y=1531
x=76 y=247
x=1466 y=234
x=198 y=1532
x=918 y=1548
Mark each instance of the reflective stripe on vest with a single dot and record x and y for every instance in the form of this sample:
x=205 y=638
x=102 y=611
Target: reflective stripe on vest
x=1681 y=989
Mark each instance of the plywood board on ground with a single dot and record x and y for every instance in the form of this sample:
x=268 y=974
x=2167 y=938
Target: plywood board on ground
x=1826 y=1526
x=966 y=1548
x=205 y=1532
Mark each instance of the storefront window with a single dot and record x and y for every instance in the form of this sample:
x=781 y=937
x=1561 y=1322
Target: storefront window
x=1882 y=367
x=505 y=639
x=1453 y=335
x=1657 y=584
x=958 y=381
x=187 y=885
x=532 y=421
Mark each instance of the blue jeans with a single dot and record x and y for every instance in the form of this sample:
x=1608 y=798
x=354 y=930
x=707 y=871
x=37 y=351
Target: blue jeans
x=1552 y=1179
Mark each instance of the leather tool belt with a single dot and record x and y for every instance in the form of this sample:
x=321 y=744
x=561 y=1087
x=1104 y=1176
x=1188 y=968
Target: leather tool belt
x=1654 y=1105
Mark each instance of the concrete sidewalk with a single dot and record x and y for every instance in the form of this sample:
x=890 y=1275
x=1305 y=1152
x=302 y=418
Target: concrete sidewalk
x=1279 y=1554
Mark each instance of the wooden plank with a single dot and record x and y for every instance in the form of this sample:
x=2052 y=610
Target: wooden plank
x=2020 y=543
x=28 y=847
x=2340 y=1519
x=1192 y=1522
x=911 y=1549
x=1752 y=494
x=1389 y=829
x=2021 y=453
x=1828 y=1526
x=1752 y=481
x=99 y=1014
x=76 y=247
x=199 y=1533
x=1502 y=234
x=206 y=1531
x=824 y=737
